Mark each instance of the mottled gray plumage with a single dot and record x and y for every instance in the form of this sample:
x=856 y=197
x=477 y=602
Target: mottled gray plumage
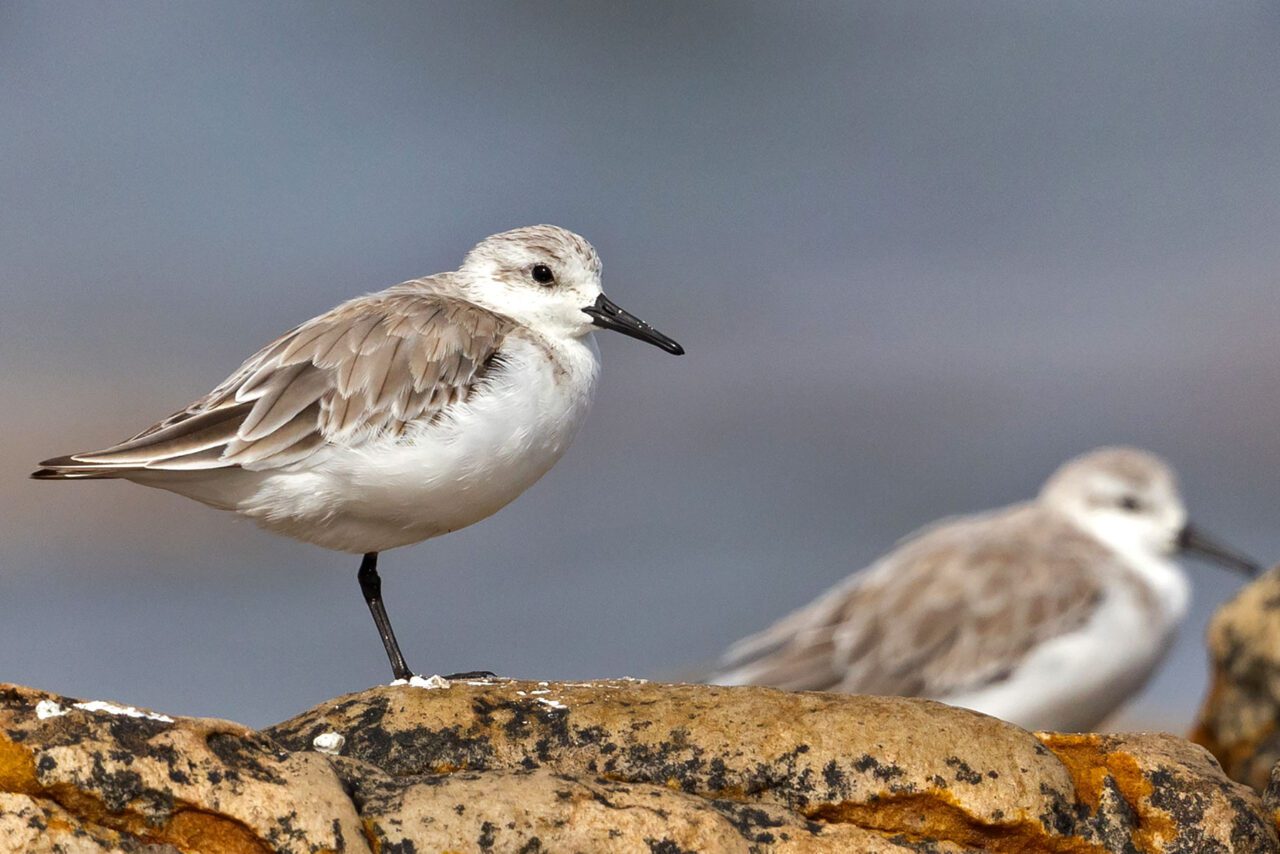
x=366 y=368
x=956 y=606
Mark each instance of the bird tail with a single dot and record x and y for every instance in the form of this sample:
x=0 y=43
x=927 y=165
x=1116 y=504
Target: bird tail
x=71 y=467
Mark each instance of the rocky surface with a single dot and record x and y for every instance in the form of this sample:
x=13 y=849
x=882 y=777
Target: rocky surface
x=602 y=766
x=1240 y=719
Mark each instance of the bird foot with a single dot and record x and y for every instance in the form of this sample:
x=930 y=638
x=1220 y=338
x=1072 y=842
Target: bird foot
x=472 y=674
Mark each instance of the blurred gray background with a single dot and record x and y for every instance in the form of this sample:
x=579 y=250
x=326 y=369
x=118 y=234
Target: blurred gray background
x=919 y=254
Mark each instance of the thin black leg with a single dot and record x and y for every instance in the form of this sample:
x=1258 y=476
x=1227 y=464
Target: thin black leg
x=371 y=587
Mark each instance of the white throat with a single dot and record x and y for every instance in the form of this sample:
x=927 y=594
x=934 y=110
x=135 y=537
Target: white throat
x=1153 y=568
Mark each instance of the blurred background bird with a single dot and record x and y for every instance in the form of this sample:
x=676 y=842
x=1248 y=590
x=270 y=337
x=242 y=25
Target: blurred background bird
x=1049 y=614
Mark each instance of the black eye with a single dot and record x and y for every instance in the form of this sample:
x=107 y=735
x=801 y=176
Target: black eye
x=1130 y=504
x=542 y=274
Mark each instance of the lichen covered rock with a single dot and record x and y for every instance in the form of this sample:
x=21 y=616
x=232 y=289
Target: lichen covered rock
x=1240 y=719
x=603 y=766
x=117 y=776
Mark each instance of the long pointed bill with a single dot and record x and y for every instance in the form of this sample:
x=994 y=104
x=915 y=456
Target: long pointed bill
x=1193 y=541
x=605 y=312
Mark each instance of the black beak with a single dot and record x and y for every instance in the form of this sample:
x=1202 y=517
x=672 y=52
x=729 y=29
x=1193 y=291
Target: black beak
x=1193 y=541
x=605 y=312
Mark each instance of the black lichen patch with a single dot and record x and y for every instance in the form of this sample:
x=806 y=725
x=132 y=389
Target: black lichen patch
x=1062 y=817
x=421 y=750
x=964 y=773
x=526 y=719
x=286 y=830
x=399 y=752
x=664 y=762
x=133 y=734
x=486 y=838
x=1113 y=823
x=666 y=846
x=784 y=777
x=882 y=771
x=834 y=777
x=920 y=846
x=15 y=699
x=717 y=775
x=244 y=754
x=752 y=822
x=1188 y=806
x=115 y=788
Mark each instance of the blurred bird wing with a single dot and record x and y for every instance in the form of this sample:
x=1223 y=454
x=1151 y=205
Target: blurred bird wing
x=365 y=369
x=955 y=608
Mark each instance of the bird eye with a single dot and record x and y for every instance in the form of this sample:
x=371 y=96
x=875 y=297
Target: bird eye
x=542 y=274
x=1130 y=504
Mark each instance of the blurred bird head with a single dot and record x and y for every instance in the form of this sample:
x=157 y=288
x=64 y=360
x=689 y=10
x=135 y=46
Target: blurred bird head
x=1128 y=498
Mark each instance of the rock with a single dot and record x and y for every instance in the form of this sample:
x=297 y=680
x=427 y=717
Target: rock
x=120 y=778
x=1161 y=793
x=1240 y=719
x=604 y=766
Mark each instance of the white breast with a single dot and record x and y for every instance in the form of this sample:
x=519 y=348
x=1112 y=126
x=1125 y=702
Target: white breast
x=442 y=476
x=1073 y=682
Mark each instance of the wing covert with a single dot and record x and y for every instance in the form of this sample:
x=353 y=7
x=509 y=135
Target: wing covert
x=366 y=369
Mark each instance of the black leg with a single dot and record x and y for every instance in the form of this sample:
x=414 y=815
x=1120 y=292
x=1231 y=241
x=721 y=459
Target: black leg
x=371 y=587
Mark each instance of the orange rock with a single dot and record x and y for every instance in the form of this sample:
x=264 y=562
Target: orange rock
x=603 y=766
x=1240 y=719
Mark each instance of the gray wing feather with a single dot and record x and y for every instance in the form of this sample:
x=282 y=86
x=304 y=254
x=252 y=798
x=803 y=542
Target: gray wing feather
x=951 y=610
x=365 y=369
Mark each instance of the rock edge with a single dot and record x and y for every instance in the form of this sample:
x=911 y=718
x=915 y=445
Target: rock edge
x=613 y=765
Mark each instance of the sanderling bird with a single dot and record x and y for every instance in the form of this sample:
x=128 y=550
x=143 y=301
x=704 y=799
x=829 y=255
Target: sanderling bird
x=1048 y=614
x=397 y=416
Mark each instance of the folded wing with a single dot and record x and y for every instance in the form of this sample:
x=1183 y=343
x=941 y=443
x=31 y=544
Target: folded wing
x=952 y=610
x=366 y=369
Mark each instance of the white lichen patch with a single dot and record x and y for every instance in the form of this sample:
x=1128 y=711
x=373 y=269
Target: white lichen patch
x=46 y=709
x=430 y=682
x=126 y=711
x=329 y=742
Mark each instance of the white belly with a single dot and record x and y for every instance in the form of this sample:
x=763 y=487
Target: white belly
x=1073 y=682
x=439 y=477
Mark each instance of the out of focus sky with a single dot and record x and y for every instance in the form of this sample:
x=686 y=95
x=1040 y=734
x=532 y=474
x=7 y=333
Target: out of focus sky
x=919 y=254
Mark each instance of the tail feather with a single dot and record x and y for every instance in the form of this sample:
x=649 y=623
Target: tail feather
x=99 y=473
x=223 y=486
x=71 y=468
x=59 y=462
